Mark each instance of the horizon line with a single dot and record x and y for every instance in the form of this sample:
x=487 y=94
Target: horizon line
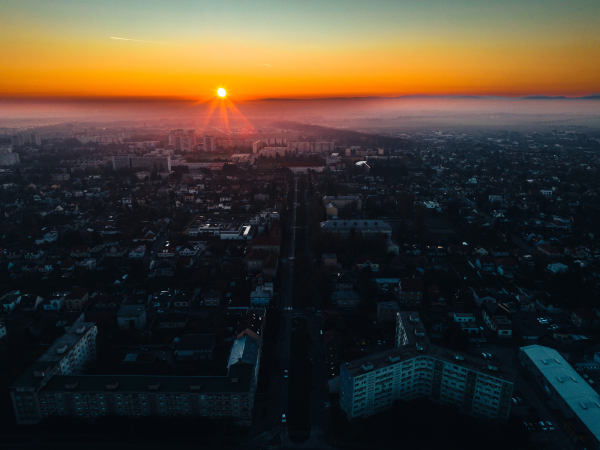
x=166 y=98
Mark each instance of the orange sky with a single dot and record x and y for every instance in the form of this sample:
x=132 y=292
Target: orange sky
x=284 y=49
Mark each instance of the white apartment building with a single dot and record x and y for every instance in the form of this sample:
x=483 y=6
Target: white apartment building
x=418 y=369
x=69 y=355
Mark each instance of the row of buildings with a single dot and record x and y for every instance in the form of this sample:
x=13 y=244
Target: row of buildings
x=57 y=385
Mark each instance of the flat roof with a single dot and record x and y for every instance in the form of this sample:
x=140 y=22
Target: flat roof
x=572 y=388
x=51 y=357
x=241 y=374
x=407 y=352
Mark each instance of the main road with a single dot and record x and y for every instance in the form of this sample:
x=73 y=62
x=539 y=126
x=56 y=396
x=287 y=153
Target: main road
x=277 y=402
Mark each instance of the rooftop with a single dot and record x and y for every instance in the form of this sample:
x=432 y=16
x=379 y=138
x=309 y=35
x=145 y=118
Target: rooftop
x=238 y=379
x=573 y=389
x=406 y=352
x=52 y=356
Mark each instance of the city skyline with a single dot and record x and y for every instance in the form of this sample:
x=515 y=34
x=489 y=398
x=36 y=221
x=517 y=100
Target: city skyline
x=299 y=50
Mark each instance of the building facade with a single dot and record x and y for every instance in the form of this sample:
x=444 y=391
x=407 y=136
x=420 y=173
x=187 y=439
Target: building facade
x=418 y=369
x=69 y=355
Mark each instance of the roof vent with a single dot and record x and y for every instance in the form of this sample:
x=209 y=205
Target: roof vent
x=545 y=361
x=459 y=356
x=112 y=386
x=490 y=367
x=557 y=361
x=560 y=379
x=583 y=405
x=71 y=385
x=421 y=347
x=80 y=330
x=154 y=386
x=62 y=349
x=367 y=366
x=394 y=358
x=574 y=379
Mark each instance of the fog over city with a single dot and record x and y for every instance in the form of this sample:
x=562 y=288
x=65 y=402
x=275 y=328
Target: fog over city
x=300 y=224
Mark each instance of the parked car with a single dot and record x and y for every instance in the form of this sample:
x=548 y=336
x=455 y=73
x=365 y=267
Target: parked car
x=543 y=425
x=285 y=373
x=550 y=425
x=283 y=418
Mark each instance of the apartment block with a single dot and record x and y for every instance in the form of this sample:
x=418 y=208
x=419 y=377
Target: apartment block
x=159 y=163
x=229 y=396
x=69 y=355
x=418 y=369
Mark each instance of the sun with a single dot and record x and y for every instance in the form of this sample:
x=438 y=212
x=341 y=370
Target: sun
x=221 y=92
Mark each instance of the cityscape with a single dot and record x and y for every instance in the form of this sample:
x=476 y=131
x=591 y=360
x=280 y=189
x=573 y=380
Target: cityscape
x=353 y=252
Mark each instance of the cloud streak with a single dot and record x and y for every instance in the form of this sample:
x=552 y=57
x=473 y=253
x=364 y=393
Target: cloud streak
x=151 y=42
x=268 y=65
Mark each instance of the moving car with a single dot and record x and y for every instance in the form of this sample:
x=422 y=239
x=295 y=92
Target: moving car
x=283 y=418
x=285 y=373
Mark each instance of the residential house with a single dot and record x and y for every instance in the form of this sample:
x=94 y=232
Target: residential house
x=410 y=291
x=269 y=244
x=30 y=302
x=548 y=251
x=182 y=300
x=190 y=250
x=391 y=246
x=344 y=281
x=86 y=264
x=55 y=302
x=114 y=251
x=138 y=252
x=498 y=318
x=345 y=299
x=260 y=298
x=168 y=251
x=364 y=262
x=557 y=268
x=212 y=298
x=77 y=299
x=172 y=320
x=329 y=259
x=10 y=300
x=463 y=317
x=486 y=264
x=80 y=251
x=131 y=317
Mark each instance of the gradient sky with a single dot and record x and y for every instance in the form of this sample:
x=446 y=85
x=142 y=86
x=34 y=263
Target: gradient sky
x=299 y=48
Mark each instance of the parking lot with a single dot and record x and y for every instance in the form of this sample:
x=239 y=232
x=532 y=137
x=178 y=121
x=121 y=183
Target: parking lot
x=531 y=326
x=532 y=404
